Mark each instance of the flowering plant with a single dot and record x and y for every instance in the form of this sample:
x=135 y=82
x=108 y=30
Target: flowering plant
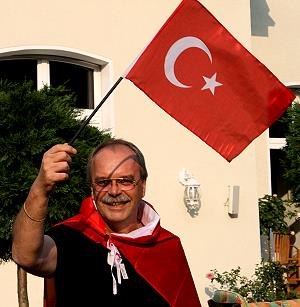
x=267 y=284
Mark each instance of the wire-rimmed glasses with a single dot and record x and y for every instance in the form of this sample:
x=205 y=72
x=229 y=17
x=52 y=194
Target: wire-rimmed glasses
x=124 y=184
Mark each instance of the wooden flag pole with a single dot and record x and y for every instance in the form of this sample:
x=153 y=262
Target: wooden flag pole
x=86 y=121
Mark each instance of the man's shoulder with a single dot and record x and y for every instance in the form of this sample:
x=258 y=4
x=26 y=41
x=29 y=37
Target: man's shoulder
x=62 y=231
x=169 y=239
x=168 y=234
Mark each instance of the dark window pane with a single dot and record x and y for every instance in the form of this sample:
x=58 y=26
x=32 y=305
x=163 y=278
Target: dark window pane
x=279 y=186
x=278 y=129
x=19 y=70
x=77 y=79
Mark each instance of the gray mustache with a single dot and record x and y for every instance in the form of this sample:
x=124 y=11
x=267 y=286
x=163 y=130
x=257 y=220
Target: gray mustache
x=118 y=199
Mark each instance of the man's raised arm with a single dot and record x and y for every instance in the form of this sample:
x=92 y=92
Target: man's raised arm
x=31 y=249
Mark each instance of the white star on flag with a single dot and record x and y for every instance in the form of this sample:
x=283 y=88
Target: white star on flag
x=211 y=83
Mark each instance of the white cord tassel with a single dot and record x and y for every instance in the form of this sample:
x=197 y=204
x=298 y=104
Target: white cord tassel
x=114 y=259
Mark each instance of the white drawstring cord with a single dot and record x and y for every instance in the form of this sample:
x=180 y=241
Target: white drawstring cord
x=114 y=259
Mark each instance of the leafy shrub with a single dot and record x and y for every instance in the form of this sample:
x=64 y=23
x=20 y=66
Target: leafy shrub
x=269 y=282
x=273 y=212
x=30 y=123
x=292 y=150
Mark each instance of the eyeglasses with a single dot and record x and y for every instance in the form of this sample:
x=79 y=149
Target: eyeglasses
x=125 y=184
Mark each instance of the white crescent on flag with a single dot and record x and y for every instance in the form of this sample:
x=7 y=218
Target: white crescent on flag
x=176 y=50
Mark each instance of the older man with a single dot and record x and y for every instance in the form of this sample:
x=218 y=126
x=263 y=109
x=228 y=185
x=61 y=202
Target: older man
x=114 y=252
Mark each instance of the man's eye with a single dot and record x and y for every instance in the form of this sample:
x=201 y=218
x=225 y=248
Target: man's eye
x=124 y=181
x=102 y=183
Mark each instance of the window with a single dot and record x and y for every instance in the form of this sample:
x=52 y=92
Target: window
x=83 y=74
x=76 y=78
x=278 y=129
x=19 y=70
x=278 y=185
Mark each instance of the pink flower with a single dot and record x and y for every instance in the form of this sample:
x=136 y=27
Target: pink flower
x=210 y=275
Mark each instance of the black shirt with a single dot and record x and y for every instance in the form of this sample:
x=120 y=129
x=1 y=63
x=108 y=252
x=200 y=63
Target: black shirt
x=83 y=276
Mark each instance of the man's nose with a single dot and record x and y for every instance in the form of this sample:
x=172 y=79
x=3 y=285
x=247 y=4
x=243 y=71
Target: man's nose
x=114 y=188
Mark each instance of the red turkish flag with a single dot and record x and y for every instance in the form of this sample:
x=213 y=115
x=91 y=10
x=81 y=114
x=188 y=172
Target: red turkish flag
x=202 y=76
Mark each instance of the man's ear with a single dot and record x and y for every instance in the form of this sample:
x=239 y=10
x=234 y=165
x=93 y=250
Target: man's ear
x=143 y=188
x=92 y=192
x=93 y=199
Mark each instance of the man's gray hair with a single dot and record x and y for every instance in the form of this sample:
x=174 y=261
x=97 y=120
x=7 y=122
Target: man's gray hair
x=139 y=157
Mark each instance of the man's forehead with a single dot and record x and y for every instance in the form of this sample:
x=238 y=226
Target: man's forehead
x=116 y=156
x=115 y=161
x=116 y=149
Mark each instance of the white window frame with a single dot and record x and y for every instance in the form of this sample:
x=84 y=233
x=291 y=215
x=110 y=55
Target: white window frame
x=102 y=74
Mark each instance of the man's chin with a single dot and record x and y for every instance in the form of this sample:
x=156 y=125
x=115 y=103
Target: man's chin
x=116 y=222
x=114 y=213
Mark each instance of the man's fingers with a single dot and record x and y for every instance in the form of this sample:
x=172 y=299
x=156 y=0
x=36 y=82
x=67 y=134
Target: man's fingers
x=54 y=168
x=57 y=157
x=53 y=171
x=58 y=177
x=57 y=167
x=60 y=152
x=62 y=147
x=56 y=164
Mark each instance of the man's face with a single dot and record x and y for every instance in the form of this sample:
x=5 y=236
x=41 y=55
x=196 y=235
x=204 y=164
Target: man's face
x=118 y=208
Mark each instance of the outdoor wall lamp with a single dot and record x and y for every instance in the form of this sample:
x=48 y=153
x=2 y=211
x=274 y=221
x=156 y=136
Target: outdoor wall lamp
x=191 y=196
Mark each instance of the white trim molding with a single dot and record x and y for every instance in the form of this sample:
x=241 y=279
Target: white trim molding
x=101 y=66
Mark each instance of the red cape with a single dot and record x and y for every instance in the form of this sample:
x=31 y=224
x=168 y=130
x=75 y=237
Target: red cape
x=159 y=258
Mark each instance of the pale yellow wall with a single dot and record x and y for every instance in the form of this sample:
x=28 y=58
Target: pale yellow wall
x=118 y=30
x=8 y=288
x=263 y=180
x=277 y=42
